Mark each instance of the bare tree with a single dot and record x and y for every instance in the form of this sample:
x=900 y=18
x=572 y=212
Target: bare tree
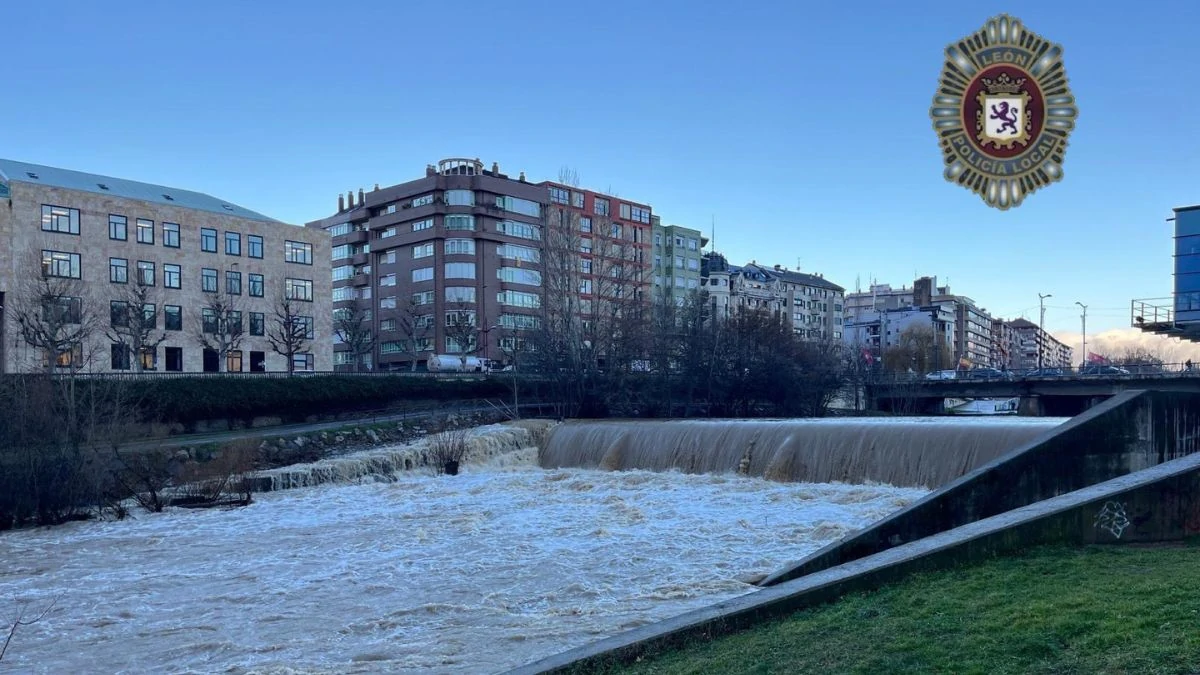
x=22 y=621
x=917 y=349
x=219 y=326
x=415 y=323
x=56 y=317
x=352 y=326
x=290 y=333
x=133 y=325
x=462 y=330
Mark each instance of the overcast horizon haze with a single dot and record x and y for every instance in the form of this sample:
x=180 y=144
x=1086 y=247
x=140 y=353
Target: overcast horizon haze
x=802 y=133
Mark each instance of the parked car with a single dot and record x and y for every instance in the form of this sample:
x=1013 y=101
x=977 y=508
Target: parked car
x=1046 y=372
x=985 y=373
x=942 y=375
x=1102 y=370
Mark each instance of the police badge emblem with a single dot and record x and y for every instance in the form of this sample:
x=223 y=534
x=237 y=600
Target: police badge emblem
x=1003 y=112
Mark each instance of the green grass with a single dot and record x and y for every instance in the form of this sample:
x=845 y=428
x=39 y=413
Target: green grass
x=1055 y=610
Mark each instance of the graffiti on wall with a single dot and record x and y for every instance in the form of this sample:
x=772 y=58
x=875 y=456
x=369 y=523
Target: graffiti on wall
x=1112 y=518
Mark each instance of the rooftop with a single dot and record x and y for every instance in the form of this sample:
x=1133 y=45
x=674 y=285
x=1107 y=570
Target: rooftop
x=795 y=277
x=37 y=174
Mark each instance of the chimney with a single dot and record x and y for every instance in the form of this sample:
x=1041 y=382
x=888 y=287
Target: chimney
x=360 y=197
x=376 y=187
x=522 y=177
x=430 y=170
x=341 y=202
x=350 y=200
x=496 y=168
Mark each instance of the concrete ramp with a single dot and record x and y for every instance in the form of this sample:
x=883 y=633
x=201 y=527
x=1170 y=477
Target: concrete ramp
x=1131 y=431
x=1160 y=503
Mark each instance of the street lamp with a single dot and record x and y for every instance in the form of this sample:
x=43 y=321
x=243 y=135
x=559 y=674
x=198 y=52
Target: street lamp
x=487 y=346
x=1041 y=325
x=1083 y=321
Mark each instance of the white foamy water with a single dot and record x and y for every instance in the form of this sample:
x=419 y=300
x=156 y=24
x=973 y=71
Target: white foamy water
x=475 y=573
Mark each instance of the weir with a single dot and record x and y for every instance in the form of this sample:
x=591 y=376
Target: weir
x=902 y=452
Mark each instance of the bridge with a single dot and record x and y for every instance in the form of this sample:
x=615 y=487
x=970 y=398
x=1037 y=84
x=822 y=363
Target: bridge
x=1060 y=396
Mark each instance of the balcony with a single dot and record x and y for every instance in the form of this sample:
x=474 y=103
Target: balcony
x=360 y=259
x=1157 y=315
x=360 y=280
x=355 y=237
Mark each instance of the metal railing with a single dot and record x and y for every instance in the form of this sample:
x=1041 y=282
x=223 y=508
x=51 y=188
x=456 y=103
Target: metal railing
x=1046 y=374
x=1147 y=312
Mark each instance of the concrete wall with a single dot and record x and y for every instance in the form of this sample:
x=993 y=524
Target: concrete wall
x=1127 y=433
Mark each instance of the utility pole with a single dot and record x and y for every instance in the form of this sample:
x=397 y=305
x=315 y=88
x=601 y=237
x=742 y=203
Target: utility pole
x=1041 y=338
x=1083 y=320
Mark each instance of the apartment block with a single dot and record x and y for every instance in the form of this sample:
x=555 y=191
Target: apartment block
x=1179 y=315
x=449 y=263
x=181 y=253
x=812 y=304
x=1035 y=348
x=610 y=238
x=677 y=256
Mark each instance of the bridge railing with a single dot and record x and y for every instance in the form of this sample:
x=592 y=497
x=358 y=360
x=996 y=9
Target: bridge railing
x=1097 y=372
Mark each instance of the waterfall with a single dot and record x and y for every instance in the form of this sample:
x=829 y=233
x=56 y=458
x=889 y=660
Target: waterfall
x=485 y=444
x=915 y=452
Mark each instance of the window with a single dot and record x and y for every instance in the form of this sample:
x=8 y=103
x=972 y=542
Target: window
x=693 y=283
x=585 y=266
x=390 y=279
x=460 y=270
x=233 y=361
x=149 y=358
x=118 y=270
x=679 y=241
x=515 y=229
x=658 y=238
x=149 y=314
x=577 y=200
x=119 y=357
x=422 y=250
x=422 y=201
x=519 y=322
x=600 y=206
x=302 y=362
x=519 y=275
x=423 y=344
x=640 y=215
x=60 y=264
x=208 y=240
x=235 y=322
x=297 y=252
x=304 y=323
x=454 y=347
x=342 y=272
x=692 y=244
x=60 y=219
x=172 y=317
x=616 y=230
x=559 y=195
x=171 y=235
x=233 y=243
x=585 y=224
x=460 y=294
x=118 y=227
x=258 y=362
x=387 y=325
x=693 y=264
x=389 y=347
x=340 y=294
x=387 y=303
x=118 y=314
x=518 y=205
x=333 y=230
x=208 y=320
x=585 y=286
x=254 y=245
x=459 y=222
x=516 y=252
x=208 y=280
x=417 y=226
x=422 y=274
x=174 y=359
x=459 y=247
x=679 y=261
x=172 y=276
x=624 y=210
x=518 y=299
x=460 y=198
x=423 y=298
x=258 y=323
x=298 y=289
x=341 y=252
x=257 y=287
x=460 y=317
x=233 y=282
x=585 y=245
x=387 y=258
x=145 y=231
x=63 y=309
x=67 y=356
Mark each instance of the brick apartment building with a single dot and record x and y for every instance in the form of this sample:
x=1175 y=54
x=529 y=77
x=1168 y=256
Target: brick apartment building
x=454 y=262
x=101 y=236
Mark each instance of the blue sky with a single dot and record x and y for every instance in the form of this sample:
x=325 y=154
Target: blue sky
x=803 y=131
